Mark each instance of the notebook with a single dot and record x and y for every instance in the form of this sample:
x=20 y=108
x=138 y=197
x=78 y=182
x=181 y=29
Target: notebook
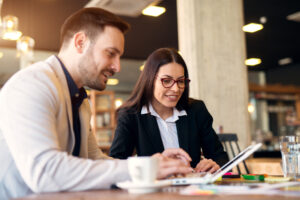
x=210 y=178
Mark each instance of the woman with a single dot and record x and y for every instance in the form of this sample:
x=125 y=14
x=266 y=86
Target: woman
x=159 y=115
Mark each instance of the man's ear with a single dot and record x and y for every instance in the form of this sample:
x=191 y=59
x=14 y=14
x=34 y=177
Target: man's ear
x=80 y=40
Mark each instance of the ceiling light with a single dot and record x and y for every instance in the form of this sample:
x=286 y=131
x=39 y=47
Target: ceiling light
x=154 y=11
x=253 y=61
x=252 y=27
x=285 y=61
x=112 y=81
x=10 y=28
x=142 y=67
x=250 y=108
x=14 y=35
x=118 y=102
x=132 y=8
x=263 y=20
x=25 y=44
x=294 y=17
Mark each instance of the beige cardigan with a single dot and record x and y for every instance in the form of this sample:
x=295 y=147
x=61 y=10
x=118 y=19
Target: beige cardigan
x=37 y=138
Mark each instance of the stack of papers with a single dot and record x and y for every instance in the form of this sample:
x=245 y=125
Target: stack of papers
x=286 y=189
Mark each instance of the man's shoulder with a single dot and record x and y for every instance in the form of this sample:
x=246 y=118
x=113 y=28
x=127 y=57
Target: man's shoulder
x=36 y=68
x=36 y=76
x=43 y=66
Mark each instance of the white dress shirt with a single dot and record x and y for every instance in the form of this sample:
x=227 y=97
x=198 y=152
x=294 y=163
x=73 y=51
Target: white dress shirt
x=167 y=128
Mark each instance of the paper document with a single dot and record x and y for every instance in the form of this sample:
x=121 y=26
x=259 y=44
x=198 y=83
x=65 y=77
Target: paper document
x=245 y=188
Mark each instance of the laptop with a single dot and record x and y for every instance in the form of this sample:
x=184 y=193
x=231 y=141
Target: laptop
x=205 y=178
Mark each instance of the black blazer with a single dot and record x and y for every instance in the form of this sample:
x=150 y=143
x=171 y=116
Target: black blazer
x=141 y=133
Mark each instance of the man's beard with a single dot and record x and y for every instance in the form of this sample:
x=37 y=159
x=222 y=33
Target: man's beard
x=88 y=78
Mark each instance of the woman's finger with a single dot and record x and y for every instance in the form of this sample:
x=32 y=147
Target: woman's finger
x=177 y=152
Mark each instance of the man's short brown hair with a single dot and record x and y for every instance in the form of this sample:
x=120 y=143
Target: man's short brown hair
x=91 y=21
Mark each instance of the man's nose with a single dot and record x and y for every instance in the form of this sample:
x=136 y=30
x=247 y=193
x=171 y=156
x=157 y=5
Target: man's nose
x=116 y=66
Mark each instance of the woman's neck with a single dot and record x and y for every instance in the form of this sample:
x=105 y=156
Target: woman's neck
x=163 y=111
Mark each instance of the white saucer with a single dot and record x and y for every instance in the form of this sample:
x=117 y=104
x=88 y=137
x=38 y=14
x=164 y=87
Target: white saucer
x=138 y=188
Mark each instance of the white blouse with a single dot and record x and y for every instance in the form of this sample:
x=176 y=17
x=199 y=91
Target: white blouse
x=167 y=128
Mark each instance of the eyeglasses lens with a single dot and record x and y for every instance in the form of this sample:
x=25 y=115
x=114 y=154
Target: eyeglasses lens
x=167 y=83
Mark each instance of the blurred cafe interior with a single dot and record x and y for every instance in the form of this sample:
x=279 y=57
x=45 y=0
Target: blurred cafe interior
x=243 y=59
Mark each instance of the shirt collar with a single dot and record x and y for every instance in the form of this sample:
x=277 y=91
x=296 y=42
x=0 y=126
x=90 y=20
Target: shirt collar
x=173 y=118
x=77 y=95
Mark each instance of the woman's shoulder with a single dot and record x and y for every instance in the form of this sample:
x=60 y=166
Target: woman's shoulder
x=195 y=104
x=127 y=112
x=197 y=108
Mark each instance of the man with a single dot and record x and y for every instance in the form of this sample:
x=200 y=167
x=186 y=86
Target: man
x=45 y=139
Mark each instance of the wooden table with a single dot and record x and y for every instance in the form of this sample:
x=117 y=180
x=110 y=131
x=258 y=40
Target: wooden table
x=168 y=193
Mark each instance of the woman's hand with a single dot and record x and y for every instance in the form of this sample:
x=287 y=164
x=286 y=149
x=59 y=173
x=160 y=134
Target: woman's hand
x=207 y=165
x=178 y=153
x=170 y=166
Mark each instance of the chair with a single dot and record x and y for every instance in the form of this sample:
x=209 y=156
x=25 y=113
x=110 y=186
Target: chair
x=228 y=139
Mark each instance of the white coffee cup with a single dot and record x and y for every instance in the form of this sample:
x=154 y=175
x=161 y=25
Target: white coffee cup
x=143 y=169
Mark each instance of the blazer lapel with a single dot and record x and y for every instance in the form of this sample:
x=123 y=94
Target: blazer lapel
x=182 y=132
x=151 y=128
x=56 y=67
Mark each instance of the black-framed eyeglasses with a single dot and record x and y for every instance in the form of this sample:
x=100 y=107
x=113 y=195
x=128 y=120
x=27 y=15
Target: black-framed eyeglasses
x=169 y=82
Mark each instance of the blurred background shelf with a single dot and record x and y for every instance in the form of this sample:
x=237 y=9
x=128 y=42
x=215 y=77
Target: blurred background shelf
x=103 y=117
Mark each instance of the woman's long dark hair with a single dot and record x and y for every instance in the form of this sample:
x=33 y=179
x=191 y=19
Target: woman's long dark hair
x=142 y=93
